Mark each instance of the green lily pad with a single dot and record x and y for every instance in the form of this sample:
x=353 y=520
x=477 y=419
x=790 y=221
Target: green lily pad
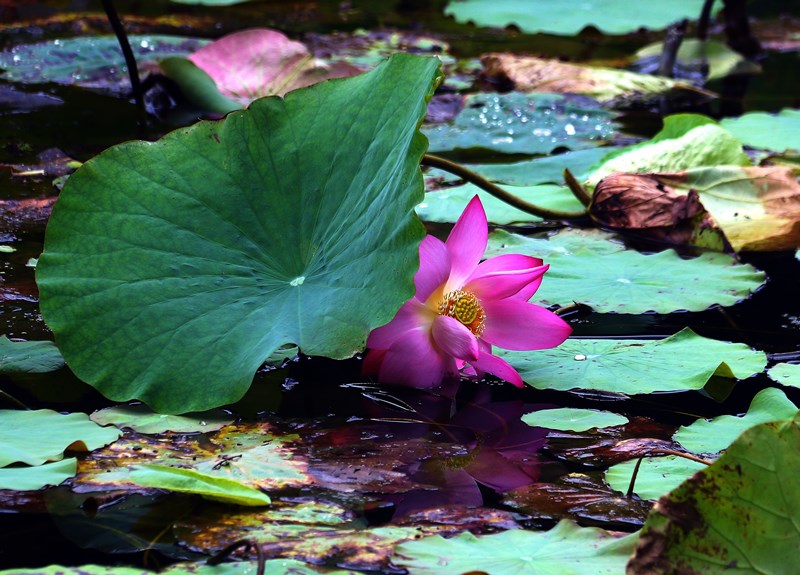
x=194 y=482
x=89 y=61
x=34 y=437
x=566 y=549
x=35 y=477
x=568 y=17
x=686 y=141
x=271 y=567
x=741 y=511
x=777 y=132
x=142 y=419
x=712 y=436
x=656 y=476
x=681 y=362
x=785 y=374
x=696 y=54
x=524 y=124
x=447 y=204
x=628 y=281
x=29 y=356
x=226 y=240
x=573 y=419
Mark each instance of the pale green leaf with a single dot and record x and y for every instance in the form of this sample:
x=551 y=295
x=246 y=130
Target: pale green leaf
x=786 y=374
x=31 y=478
x=777 y=132
x=656 y=476
x=142 y=419
x=573 y=419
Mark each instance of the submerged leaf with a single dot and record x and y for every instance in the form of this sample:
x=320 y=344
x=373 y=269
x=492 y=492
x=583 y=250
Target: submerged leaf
x=173 y=269
x=34 y=437
x=741 y=511
x=566 y=549
x=682 y=361
x=628 y=281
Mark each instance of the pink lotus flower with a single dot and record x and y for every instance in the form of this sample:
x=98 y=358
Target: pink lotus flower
x=462 y=307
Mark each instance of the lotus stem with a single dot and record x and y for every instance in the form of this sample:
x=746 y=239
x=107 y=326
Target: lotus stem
x=130 y=59
x=576 y=188
x=498 y=192
x=635 y=473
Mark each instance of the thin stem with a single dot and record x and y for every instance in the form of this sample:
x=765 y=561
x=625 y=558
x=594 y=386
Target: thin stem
x=498 y=192
x=635 y=473
x=247 y=544
x=672 y=43
x=130 y=59
x=8 y=397
x=629 y=493
x=705 y=18
x=576 y=188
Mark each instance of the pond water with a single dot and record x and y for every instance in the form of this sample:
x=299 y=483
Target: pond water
x=457 y=459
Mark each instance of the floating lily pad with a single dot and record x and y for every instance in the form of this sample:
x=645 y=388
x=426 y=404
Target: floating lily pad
x=566 y=549
x=32 y=478
x=195 y=482
x=568 y=17
x=34 y=437
x=656 y=476
x=697 y=54
x=785 y=374
x=271 y=567
x=681 y=362
x=741 y=511
x=626 y=281
x=89 y=61
x=29 y=356
x=686 y=141
x=524 y=124
x=447 y=204
x=778 y=132
x=573 y=419
x=173 y=292
x=142 y=419
x=712 y=436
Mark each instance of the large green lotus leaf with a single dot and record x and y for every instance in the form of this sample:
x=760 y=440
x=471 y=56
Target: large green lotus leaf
x=191 y=481
x=568 y=17
x=778 y=132
x=142 y=419
x=32 y=478
x=712 y=436
x=681 y=362
x=29 y=356
x=446 y=205
x=34 y=437
x=626 y=281
x=786 y=374
x=542 y=170
x=91 y=61
x=739 y=515
x=173 y=269
x=656 y=475
x=573 y=419
x=566 y=549
x=693 y=53
x=686 y=141
x=524 y=124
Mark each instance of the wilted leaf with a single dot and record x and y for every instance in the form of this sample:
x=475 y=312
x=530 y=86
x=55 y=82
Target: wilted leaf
x=31 y=478
x=34 y=437
x=532 y=74
x=29 y=356
x=142 y=419
x=739 y=512
x=573 y=419
x=140 y=284
x=566 y=549
x=259 y=62
x=686 y=141
x=778 y=132
x=680 y=362
x=524 y=123
x=568 y=17
x=626 y=281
